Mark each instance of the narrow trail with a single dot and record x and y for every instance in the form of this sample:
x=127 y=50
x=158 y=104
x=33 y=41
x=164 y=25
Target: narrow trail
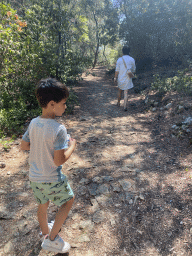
x=127 y=175
x=132 y=192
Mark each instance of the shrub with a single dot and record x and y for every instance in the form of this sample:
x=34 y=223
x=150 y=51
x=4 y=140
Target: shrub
x=12 y=121
x=181 y=83
x=71 y=102
x=20 y=106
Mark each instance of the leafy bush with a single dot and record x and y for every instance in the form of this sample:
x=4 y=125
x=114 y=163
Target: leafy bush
x=18 y=104
x=181 y=83
x=21 y=106
x=110 y=55
x=27 y=55
x=6 y=142
x=71 y=102
x=12 y=120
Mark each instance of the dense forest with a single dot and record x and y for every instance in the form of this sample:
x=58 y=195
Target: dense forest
x=62 y=38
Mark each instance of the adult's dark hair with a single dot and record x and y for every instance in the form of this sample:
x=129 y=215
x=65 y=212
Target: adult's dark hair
x=50 y=89
x=126 y=50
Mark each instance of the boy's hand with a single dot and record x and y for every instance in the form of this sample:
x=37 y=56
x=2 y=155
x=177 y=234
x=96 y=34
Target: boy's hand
x=25 y=145
x=72 y=142
x=61 y=156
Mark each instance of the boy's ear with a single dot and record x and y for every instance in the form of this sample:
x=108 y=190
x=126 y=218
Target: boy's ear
x=52 y=103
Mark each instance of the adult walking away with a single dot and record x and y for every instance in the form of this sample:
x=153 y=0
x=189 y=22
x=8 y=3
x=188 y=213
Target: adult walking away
x=125 y=67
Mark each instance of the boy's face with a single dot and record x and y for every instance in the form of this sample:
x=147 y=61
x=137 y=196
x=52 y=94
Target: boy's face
x=59 y=108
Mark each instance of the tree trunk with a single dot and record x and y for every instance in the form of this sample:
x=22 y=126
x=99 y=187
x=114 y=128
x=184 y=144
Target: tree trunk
x=104 y=54
x=97 y=37
x=96 y=54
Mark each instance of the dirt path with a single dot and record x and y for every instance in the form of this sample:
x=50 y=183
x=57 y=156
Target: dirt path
x=131 y=178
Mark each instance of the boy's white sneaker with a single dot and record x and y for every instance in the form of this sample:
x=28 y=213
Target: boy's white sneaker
x=57 y=245
x=50 y=225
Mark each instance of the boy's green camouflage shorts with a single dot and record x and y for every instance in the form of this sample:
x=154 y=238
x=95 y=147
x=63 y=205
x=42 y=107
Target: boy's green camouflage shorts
x=57 y=192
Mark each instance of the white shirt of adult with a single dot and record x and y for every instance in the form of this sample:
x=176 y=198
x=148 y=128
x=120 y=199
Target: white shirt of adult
x=124 y=81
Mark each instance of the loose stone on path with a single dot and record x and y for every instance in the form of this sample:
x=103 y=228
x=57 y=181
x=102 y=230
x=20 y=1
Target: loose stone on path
x=126 y=185
x=115 y=187
x=9 y=247
x=98 y=217
x=102 y=189
x=2 y=165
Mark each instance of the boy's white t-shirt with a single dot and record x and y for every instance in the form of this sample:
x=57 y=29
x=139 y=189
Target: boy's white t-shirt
x=124 y=81
x=45 y=136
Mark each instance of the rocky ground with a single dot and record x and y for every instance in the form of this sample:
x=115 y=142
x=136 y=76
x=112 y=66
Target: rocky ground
x=131 y=174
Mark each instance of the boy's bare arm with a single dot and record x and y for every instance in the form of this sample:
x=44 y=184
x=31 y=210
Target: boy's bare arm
x=25 y=145
x=61 y=156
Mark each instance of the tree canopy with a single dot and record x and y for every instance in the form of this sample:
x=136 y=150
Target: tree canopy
x=61 y=38
x=160 y=30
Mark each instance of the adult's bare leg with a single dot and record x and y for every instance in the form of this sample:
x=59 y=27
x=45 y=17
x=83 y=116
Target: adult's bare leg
x=125 y=99
x=119 y=97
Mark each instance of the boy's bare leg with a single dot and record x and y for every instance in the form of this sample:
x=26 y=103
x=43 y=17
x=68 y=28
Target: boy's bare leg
x=119 y=97
x=42 y=217
x=60 y=218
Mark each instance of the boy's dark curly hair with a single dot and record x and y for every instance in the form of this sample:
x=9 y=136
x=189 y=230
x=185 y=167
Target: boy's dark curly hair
x=50 y=89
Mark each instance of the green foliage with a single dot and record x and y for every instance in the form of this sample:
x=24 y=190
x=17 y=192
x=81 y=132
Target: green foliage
x=108 y=55
x=181 y=83
x=103 y=24
x=11 y=120
x=157 y=29
x=19 y=58
x=6 y=143
x=17 y=106
x=42 y=38
x=71 y=102
x=20 y=68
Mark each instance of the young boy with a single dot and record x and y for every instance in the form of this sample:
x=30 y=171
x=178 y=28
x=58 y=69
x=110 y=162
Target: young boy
x=47 y=141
